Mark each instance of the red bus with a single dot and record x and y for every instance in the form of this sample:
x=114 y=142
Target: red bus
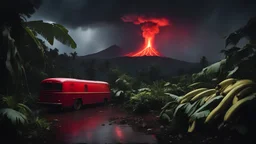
x=68 y=92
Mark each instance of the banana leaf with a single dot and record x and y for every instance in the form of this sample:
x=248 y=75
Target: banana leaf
x=191 y=108
x=180 y=107
x=168 y=104
x=205 y=109
x=174 y=97
x=51 y=31
x=165 y=116
x=199 y=115
x=210 y=104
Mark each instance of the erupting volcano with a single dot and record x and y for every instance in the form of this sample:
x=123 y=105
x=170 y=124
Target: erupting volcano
x=149 y=27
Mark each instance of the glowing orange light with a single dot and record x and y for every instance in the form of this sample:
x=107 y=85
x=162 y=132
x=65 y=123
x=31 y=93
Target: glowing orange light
x=149 y=27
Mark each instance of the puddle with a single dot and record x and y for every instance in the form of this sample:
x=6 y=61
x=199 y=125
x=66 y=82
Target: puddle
x=91 y=125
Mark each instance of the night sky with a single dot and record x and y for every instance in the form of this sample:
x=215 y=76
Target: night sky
x=197 y=26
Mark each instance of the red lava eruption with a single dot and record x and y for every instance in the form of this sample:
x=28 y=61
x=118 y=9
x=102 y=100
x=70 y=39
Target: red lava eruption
x=149 y=27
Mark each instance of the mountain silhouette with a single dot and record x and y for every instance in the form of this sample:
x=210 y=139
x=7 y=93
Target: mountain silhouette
x=110 y=52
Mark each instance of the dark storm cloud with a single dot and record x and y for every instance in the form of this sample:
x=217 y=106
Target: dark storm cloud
x=82 y=12
x=198 y=25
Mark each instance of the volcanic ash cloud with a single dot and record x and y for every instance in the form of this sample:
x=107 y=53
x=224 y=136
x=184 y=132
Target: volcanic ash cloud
x=150 y=27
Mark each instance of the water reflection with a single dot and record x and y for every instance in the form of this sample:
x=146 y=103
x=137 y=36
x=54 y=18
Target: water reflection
x=91 y=125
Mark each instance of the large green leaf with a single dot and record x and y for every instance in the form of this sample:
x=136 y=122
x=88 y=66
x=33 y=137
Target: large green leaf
x=235 y=37
x=167 y=84
x=199 y=85
x=230 y=51
x=168 y=105
x=173 y=96
x=165 y=116
x=199 y=115
x=13 y=115
x=50 y=31
x=212 y=71
x=191 y=108
x=119 y=93
x=180 y=107
x=34 y=38
x=144 y=89
x=24 y=109
x=208 y=106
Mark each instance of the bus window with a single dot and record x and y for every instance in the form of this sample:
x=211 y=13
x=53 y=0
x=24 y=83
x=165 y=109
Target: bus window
x=51 y=86
x=85 y=88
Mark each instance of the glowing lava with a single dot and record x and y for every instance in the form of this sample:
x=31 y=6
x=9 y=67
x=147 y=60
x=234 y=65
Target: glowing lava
x=149 y=27
x=146 y=51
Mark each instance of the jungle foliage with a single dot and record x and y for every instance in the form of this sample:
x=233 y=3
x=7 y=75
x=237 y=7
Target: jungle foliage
x=19 y=67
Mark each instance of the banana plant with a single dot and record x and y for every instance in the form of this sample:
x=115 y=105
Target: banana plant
x=248 y=31
x=49 y=31
x=205 y=109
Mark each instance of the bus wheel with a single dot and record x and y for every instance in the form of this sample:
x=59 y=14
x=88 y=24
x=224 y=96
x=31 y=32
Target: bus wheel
x=77 y=104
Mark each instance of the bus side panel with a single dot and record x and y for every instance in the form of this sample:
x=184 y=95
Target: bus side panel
x=66 y=100
x=101 y=93
x=108 y=92
x=87 y=98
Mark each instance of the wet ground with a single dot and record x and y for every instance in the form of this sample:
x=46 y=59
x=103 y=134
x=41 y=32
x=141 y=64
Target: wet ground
x=97 y=125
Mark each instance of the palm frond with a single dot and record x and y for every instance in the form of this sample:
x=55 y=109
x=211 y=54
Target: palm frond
x=14 y=116
x=24 y=109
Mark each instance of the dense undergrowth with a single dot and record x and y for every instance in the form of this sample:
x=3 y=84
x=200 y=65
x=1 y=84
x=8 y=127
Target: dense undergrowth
x=180 y=101
x=24 y=62
x=221 y=97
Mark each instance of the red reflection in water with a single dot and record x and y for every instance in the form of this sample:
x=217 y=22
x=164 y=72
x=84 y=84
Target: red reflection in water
x=85 y=126
x=89 y=136
x=119 y=132
x=77 y=126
